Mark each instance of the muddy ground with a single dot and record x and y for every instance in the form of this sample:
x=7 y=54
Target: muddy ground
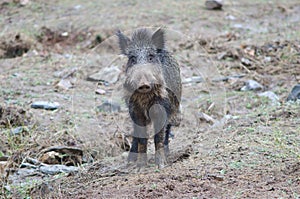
x=249 y=149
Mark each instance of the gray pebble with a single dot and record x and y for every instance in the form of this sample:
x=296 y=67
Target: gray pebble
x=57 y=168
x=109 y=107
x=271 y=95
x=252 y=85
x=18 y=130
x=45 y=105
x=295 y=93
x=213 y=4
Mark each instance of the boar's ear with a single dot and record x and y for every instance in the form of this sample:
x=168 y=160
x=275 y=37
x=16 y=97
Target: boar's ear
x=158 y=39
x=123 y=42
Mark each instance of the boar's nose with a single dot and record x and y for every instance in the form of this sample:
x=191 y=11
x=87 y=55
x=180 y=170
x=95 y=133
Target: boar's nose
x=144 y=84
x=144 y=88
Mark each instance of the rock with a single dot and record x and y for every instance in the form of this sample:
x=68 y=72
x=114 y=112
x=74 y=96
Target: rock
x=18 y=130
x=24 y=2
x=238 y=26
x=295 y=93
x=125 y=155
x=252 y=85
x=246 y=62
x=107 y=74
x=195 y=79
x=100 y=92
x=222 y=55
x=267 y=59
x=78 y=7
x=65 y=34
x=230 y=17
x=271 y=95
x=45 y=105
x=64 y=84
x=204 y=117
x=56 y=169
x=214 y=4
x=109 y=107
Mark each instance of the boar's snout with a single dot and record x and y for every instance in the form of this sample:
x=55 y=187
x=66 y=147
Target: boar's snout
x=144 y=86
x=143 y=78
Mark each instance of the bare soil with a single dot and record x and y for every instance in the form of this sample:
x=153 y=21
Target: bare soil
x=250 y=148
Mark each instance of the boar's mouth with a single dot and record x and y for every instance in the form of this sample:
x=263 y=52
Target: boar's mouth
x=142 y=89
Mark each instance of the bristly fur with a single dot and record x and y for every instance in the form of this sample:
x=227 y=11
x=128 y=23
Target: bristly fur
x=141 y=38
x=144 y=99
x=152 y=88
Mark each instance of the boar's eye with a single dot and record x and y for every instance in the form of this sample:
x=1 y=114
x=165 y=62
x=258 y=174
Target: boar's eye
x=132 y=60
x=151 y=57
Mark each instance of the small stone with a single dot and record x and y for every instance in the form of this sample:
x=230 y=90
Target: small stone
x=295 y=93
x=56 y=169
x=109 y=107
x=194 y=79
x=271 y=95
x=125 y=155
x=213 y=4
x=45 y=105
x=252 y=85
x=100 y=92
x=18 y=130
x=238 y=26
x=246 y=62
x=65 y=34
x=267 y=59
x=64 y=84
x=24 y=2
x=230 y=17
x=204 y=117
x=78 y=7
x=107 y=74
x=222 y=55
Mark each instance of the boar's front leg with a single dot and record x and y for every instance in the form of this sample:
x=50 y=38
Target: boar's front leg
x=159 y=116
x=138 y=150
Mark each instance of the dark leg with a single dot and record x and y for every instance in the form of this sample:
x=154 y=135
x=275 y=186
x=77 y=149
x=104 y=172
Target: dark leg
x=138 y=150
x=159 y=118
x=142 y=152
x=166 y=141
x=160 y=158
x=132 y=157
